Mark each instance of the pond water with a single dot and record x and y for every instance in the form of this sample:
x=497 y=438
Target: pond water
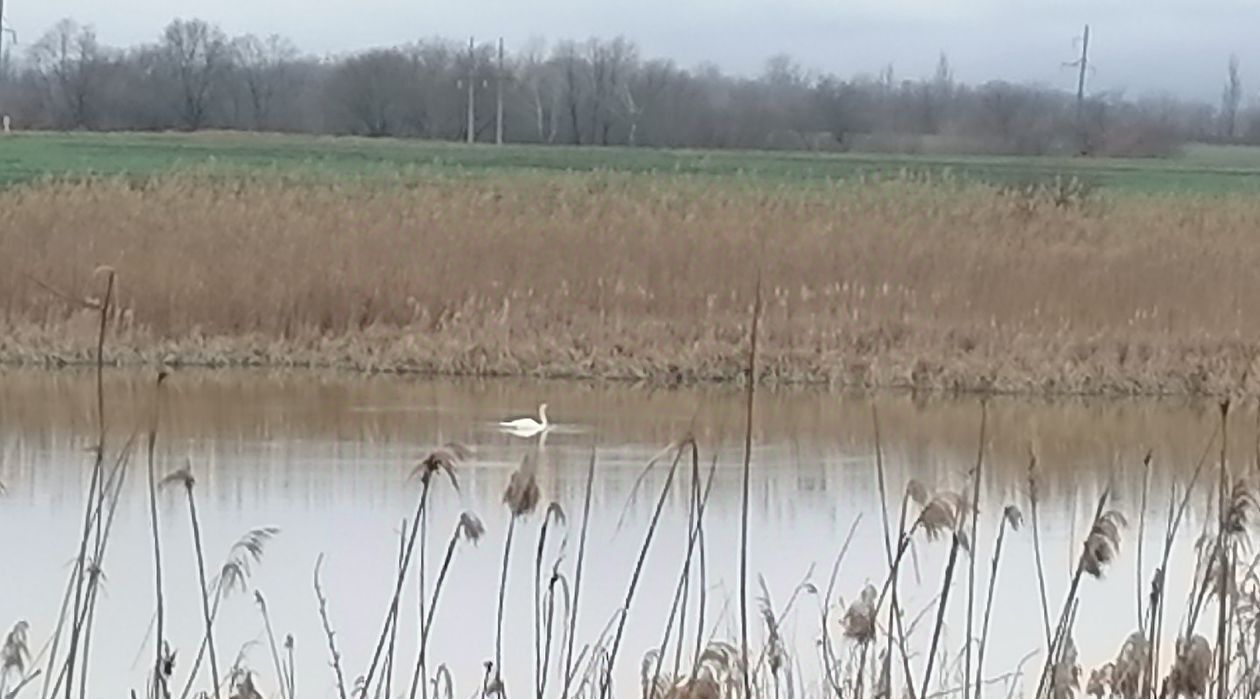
x=326 y=459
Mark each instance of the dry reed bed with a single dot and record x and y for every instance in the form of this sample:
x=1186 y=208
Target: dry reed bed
x=930 y=285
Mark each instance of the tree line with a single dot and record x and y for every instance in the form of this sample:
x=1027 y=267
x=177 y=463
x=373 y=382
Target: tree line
x=593 y=92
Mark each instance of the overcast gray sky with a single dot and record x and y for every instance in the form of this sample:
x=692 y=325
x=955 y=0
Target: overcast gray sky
x=1141 y=46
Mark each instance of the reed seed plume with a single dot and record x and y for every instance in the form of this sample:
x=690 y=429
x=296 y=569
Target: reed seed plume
x=1124 y=675
x=243 y=686
x=522 y=493
x=246 y=552
x=776 y=651
x=918 y=493
x=1099 y=684
x=470 y=527
x=944 y=512
x=1241 y=507
x=859 y=619
x=1192 y=669
x=1103 y=543
x=15 y=654
x=444 y=460
x=1014 y=517
x=1065 y=679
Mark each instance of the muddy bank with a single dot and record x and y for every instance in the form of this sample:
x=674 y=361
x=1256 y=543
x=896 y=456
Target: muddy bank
x=890 y=358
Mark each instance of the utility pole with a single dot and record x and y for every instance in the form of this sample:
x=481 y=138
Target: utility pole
x=472 y=97
x=1080 y=92
x=3 y=63
x=498 y=97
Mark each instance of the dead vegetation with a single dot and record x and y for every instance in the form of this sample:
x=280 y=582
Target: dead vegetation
x=933 y=285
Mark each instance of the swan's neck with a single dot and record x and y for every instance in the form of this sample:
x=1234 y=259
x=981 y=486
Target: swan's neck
x=542 y=415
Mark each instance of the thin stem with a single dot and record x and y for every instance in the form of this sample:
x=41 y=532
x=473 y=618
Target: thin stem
x=577 y=579
x=747 y=478
x=539 y=681
x=333 y=653
x=1069 y=607
x=624 y=612
x=388 y=671
x=828 y=656
x=427 y=627
x=988 y=606
x=498 y=619
x=1158 y=584
x=205 y=592
x=1033 y=497
x=93 y=485
x=693 y=535
x=424 y=539
x=271 y=643
x=161 y=691
x=971 y=562
x=400 y=579
x=940 y=611
x=1146 y=484
x=883 y=493
x=1225 y=562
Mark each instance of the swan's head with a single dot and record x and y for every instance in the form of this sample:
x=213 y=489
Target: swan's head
x=542 y=410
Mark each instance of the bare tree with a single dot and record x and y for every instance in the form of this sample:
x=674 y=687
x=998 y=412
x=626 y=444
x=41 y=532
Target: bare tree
x=538 y=79
x=598 y=91
x=195 y=54
x=935 y=97
x=68 y=60
x=573 y=69
x=1231 y=98
x=611 y=63
x=265 y=67
x=372 y=90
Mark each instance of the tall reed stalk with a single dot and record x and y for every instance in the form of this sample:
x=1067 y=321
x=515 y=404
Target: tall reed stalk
x=1099 y=549
x=974 y=521
x=1225 y=562
x=385 y=687
x=333 y=654
x=1176 y=513
x=745 y=491
x=624 y=612
x=520 y=497
x=94 y=483
x=694 y=525
x=955 y=545
x=271 y=645
x=1010 y=516
x=188 y=481
x=568 y=669
x=159 y=687
x=469 y=528
x=554 y=513
x=1034 y=497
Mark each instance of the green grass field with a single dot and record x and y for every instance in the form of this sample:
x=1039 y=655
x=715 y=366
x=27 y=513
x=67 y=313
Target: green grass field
x=31 y=156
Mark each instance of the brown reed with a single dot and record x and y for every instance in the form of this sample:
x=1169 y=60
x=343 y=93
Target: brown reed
x=895 y=283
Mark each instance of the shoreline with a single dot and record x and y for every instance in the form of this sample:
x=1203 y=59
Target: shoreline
x=1203 y=370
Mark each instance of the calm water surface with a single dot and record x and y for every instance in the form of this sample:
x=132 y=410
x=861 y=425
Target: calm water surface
x=326 y=458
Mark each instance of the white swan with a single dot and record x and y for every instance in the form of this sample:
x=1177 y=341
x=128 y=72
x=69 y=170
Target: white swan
x=528 y=426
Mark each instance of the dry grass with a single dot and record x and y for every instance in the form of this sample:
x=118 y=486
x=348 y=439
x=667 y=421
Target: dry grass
x=934 y=285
